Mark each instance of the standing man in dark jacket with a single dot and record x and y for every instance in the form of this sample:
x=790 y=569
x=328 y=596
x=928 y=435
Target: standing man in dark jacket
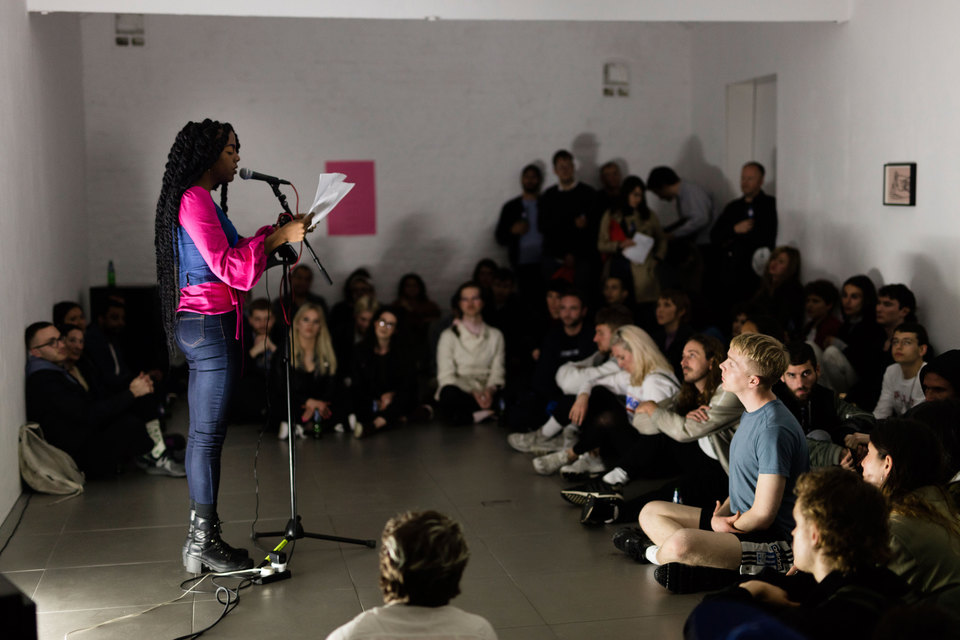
x=569 y=220
x=746 y=224
x=518 y=231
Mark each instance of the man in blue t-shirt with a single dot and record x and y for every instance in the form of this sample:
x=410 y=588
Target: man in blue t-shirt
x=700 y=550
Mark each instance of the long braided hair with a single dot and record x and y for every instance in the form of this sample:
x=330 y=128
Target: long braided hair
x=196 y=149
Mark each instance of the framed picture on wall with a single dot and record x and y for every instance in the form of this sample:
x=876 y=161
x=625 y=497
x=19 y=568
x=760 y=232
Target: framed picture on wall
x=900 y=184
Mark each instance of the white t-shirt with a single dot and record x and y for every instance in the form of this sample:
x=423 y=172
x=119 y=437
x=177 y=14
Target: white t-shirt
x=405 y=622
x=898 y=394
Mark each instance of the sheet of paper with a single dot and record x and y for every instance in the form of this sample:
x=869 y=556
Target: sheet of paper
x=638 y=252
x=331 y=189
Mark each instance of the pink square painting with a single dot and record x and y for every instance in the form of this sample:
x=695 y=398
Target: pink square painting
x=356 y=215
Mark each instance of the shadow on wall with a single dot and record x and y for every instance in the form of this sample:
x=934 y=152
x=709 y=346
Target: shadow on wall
x=937 y=301
x=692 y=165
x=584 y=150
x=415 y=246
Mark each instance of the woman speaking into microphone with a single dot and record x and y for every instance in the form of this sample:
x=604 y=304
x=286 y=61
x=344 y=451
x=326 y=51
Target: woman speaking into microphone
x=202 y=266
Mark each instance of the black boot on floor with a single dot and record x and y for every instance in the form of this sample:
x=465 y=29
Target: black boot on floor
x=683 y=578
x=204 y=550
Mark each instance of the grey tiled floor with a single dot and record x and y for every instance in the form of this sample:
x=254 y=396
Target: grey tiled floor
x=534 y=572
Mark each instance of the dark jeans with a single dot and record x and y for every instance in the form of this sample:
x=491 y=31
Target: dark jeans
x=120 y=439
x=606 y=427
x=457 y=406
x=700 y=483
x=213 y=357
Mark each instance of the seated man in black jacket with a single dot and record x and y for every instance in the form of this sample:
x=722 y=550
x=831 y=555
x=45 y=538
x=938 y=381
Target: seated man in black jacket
x=823 y=415
x=99 y=433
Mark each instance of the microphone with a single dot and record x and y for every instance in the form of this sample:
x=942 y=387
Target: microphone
x=247 y=174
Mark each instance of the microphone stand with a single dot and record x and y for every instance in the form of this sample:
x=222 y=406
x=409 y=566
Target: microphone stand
x=293 y=531
x=283 y=203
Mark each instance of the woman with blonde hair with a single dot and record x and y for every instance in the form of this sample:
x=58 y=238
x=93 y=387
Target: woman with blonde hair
x=607 y=430
x=314 y=379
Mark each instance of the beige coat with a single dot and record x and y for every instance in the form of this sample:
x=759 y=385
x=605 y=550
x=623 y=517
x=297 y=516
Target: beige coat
x=646 y=287
x=472 y=363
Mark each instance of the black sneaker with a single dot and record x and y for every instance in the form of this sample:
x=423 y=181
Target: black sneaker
x=633 y=542
x=684 y=578
x=597 y=487
x=600 y=511
x=162 y=466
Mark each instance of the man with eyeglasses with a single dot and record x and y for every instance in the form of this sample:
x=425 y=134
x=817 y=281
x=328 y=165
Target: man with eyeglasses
x=901 y=381
x=100 y=434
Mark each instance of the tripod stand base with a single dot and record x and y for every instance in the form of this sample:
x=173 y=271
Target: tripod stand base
x=294 y=531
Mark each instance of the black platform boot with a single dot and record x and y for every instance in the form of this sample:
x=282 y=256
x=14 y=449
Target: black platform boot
x=205 y=550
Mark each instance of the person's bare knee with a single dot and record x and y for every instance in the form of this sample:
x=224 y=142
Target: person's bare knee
x=677 y=548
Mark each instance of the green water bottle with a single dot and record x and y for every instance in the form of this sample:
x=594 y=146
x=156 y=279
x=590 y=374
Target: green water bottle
x=111 y=275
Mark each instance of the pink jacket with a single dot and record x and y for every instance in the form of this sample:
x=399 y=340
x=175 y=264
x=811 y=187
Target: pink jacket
x=238 y=267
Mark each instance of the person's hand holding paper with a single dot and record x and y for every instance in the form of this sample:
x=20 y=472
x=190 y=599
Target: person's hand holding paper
x=641 y=248
x=331 y=189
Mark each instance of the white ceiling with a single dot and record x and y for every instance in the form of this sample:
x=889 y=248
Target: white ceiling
x=578 y=10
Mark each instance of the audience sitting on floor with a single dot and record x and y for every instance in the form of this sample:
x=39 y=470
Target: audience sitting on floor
x=317 y=396
x=422 y=558
x=575 y=380
x=606 y=431
x=569 y=340
x=384 y=382
x=249 y=403
x=615 y=291
x=841 y=590
x=853 y=357
x=100 y=431
x=699 y=420
x=821 y=298
x=940 y=378
x=943 y=418
x=822 y=413
x=732 y=439
x=419 y=312
x=901 y=387
x=104 y=349
x=358 y=284
x=69 y=312
x=780 y=295
x=673 y=326
x=346 y=337
x=699 y=549
x=470 y=361
x=904 y=459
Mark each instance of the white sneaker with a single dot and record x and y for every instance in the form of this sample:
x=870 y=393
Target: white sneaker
x=535 y=442
x=299 y=432
x=284 y=431
x=571 y=436
x=587 y=465
x=550 y=463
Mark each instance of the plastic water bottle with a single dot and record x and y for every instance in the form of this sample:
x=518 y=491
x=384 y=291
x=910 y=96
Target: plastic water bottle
x=111 y=275
x=676 y=496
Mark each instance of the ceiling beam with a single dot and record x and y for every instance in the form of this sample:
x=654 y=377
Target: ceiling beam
x=562 y=10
